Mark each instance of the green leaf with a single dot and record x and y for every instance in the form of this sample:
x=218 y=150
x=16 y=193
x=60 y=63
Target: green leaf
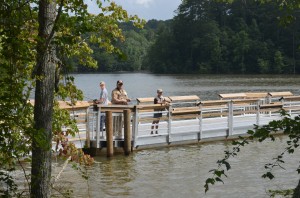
x=219 y=180
x=268 y=175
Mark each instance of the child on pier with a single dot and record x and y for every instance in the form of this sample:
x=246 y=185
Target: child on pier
x=159 y=99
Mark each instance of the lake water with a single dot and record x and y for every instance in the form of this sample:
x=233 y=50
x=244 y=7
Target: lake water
x=182 y=171
x=205 y=86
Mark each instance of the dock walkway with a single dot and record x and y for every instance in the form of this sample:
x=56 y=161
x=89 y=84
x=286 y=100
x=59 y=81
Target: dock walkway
x=186 y=119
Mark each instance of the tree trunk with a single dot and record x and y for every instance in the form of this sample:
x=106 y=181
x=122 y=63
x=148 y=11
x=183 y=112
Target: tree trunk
x=297 y=191
x=43 y=109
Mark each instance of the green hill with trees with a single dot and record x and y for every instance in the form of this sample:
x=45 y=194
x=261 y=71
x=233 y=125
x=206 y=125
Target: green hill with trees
x=209 y=37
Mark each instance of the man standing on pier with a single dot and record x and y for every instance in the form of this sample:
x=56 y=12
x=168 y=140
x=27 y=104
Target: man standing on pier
x=103 y=99
x=119 y=96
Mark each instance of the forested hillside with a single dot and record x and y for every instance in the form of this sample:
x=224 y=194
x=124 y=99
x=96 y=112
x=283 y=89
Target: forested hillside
x=210 y=37
x=135 y=47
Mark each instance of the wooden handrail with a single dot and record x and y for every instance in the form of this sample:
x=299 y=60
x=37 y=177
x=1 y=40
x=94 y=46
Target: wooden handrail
x=269 y=106
x=184 y=112
x=185 y=108
x=78 y=105
x=291 y=98
x=280 y=94
x=236 y=101
x=152 y=106
x=69 y=105
x=145 y=100
x=213 y=102
x=256 y=94
x=232 y=95
x=184 y=98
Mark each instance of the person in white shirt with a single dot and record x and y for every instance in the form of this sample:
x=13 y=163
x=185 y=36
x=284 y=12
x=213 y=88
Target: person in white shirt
x=103 y=99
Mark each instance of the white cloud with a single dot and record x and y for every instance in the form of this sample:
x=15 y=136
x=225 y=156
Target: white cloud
x=146 y=9
x=145 y=3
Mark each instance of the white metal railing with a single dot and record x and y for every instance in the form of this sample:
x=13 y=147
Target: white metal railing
x=228 y=119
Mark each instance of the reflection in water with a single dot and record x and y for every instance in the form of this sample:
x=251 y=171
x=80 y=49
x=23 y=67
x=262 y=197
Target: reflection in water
x=114 y=180
x=182 y=171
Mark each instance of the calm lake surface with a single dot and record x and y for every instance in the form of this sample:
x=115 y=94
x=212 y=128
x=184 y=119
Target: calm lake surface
x=205 y=86
x=182 y=171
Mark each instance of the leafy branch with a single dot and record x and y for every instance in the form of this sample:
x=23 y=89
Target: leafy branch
x=287 y=125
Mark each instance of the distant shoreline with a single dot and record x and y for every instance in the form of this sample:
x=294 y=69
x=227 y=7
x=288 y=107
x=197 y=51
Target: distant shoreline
x=185 y=74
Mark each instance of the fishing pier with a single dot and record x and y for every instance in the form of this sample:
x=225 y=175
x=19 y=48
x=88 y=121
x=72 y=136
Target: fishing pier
x=186 y=119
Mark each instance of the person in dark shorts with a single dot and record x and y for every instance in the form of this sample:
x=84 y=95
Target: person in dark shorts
x=159 y=99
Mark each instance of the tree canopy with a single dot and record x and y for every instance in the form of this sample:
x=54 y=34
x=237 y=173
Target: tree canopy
x=242 y=37
x=37 y=40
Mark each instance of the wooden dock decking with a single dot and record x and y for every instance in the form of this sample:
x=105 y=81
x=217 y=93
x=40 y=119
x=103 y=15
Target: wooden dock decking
x=186 y=119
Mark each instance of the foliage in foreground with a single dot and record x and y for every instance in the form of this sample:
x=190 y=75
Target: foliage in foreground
x=19 y=52
x=287 y=125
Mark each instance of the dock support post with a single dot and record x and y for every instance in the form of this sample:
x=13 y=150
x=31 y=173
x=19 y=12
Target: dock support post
x=127 y=131
x=230 y=118
x=109 y=134
x=87 y=128
x=169 y=123
x=98 y=127
x=136 y=126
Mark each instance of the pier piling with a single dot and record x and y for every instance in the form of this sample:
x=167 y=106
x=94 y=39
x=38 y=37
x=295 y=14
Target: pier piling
x=109 y=134
x=127 y=131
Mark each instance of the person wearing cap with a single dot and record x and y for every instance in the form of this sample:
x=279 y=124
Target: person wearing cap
x=103 y=99
x=159 y=99
x=119 y=97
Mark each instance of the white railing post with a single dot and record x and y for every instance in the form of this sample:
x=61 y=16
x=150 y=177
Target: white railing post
x=230 y=118
x=135 y=124
x=93 y=123
x=169 y=124
x=98 y=127
x=257 y=113
x=87 y=129
x=200 y=123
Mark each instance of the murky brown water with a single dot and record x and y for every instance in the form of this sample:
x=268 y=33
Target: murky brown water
x=182 y=171
x=205 y=86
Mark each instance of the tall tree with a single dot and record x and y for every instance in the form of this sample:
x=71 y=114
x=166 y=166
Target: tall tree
x=44 y=95
x=37 y=38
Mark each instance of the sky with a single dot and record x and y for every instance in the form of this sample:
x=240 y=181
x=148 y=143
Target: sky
x=145 y=9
